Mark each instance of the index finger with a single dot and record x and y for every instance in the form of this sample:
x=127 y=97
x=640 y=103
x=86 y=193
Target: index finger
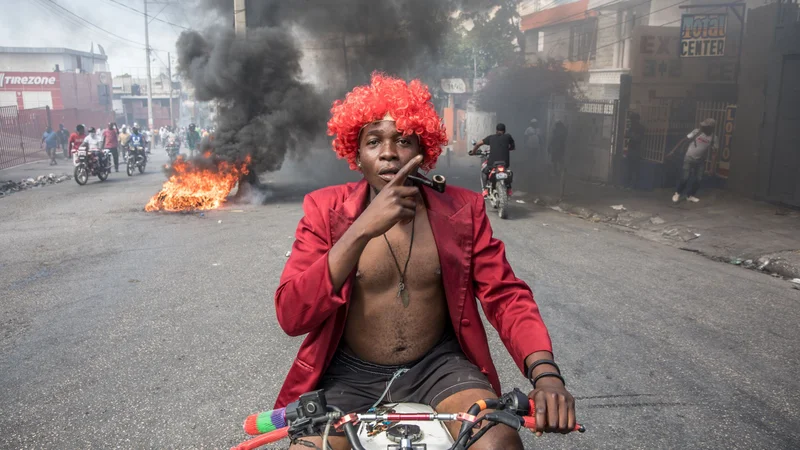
x=403 y=173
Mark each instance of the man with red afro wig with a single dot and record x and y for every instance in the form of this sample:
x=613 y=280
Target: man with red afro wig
x=384 y=274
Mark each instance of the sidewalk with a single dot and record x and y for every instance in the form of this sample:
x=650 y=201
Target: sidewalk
x=722 y=226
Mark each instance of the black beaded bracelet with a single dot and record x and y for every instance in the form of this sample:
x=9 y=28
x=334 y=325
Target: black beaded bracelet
x=540 y=362
x=547 y=374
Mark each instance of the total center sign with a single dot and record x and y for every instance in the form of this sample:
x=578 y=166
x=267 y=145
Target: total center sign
x=703 y=35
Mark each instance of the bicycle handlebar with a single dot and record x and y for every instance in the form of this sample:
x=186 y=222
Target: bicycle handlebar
x=274 y=424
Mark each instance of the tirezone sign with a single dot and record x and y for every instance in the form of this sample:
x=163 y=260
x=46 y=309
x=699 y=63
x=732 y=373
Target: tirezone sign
x=703 y=35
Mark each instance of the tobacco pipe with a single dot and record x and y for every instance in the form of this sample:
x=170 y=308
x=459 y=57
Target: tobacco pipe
x=437 y=182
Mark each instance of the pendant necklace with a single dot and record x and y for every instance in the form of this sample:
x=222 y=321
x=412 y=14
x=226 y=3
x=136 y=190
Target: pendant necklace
x=402 y=292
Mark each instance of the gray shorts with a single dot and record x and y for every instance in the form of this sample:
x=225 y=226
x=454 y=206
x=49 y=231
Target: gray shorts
x=355 y=385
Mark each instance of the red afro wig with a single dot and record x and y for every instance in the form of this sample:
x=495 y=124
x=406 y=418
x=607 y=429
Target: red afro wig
x=408 y=103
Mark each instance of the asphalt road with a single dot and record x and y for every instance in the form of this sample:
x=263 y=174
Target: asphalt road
x=128 y=329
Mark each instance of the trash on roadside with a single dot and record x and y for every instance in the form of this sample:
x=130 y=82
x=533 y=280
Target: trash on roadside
x=795 y=281
x=556 y=208
x=697 y=235
x=655 y=220
x=219 y=221
x=763 y=263
x=618 y=208
x=748 y=263
x=521 y=201
x=735 y=261
x=289 y=253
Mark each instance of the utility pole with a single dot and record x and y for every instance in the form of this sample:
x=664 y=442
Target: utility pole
x=169 y=74
x=240 y=17
x=149 y=77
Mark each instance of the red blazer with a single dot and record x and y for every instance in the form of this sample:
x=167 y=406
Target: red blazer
x=473 y=265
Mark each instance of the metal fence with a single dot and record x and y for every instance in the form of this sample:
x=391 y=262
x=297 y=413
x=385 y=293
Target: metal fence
x=666 y=122
x=21 y=135
x=716 y=111
x=590 y=135
x=21 y=130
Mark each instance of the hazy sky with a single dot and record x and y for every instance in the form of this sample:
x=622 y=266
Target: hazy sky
x=40 y=23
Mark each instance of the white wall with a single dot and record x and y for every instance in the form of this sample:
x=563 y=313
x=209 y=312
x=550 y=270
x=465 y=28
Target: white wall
x=46 y=62
x=17 y=62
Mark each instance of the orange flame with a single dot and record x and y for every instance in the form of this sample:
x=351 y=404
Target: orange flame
x=192 y=188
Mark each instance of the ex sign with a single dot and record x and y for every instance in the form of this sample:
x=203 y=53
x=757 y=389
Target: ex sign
x=703 y=35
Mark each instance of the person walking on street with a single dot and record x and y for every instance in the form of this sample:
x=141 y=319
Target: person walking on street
x=700 y=141
x=111 y=142
x=533 y=141
x=50 y=142
x=634 y=155
x=63 y=138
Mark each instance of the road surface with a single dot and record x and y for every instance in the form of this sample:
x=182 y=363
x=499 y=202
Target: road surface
x=128 y=329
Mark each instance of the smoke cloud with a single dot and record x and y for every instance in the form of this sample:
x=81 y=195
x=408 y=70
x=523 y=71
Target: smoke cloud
x=263 y=109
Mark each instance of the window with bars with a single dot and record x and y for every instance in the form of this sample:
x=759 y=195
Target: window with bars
x=582 y=41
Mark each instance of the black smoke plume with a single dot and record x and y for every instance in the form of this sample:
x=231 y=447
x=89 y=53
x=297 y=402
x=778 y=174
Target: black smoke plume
x=263 y=109
x=400 y=37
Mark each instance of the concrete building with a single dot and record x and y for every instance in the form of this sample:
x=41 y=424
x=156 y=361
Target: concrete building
x=130 y=100
x=57 y=78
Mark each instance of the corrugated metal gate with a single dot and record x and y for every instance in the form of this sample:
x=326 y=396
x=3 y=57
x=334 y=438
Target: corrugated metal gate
x=21 y=135
x=590 y=135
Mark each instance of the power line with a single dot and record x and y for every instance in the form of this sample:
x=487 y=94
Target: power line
x=91 y=24
x=150 y=17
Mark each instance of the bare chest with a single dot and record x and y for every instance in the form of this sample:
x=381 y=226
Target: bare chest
x=394 y=257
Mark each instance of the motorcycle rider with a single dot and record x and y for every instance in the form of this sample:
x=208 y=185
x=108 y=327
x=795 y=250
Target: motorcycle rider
x=92 y=142
x=76 y=139
x=500 y=146
x=137 y=140
x=377 y=331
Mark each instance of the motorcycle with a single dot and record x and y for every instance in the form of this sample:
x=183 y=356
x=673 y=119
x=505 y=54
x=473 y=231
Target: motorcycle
x=135 y=159
x=173 y=147
x=396 y=426
x=500 y=176
x=88 y=163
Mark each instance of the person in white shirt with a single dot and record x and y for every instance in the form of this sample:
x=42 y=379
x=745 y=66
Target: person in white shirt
x=93 y=143
x=694 y=162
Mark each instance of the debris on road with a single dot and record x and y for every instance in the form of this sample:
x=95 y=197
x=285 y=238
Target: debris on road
x=289 y=253
x=556 y=208
x=618 y=208
x=521 y=201
x=655 y=220
x=219 y=221
x=679 y=233
x=8 y=187
x=795 y=281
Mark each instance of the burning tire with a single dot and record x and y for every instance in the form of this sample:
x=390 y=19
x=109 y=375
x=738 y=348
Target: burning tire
x=81 y=174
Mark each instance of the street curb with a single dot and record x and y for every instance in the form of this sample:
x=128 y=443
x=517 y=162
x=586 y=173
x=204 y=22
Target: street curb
x=785 y=264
